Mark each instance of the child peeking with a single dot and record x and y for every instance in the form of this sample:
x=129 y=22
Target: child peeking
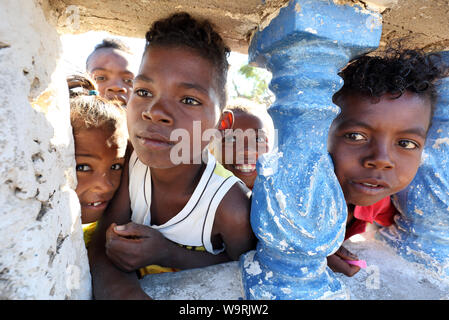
x=252 y=135
x=110 y=65
x=377 y=140
x=100 y=135
x=181 y=82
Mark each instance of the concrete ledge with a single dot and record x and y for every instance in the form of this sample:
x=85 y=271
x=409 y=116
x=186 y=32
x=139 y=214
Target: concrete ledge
x=387 y=277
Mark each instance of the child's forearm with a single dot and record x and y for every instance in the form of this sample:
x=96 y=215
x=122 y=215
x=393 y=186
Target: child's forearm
x=178 y=257
x=108 y=282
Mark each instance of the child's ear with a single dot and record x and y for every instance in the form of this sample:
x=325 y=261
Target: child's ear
x=226 y=120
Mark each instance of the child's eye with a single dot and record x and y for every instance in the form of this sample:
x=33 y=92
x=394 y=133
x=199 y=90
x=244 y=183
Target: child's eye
x=191 y=101
x=116 y=166
x=261 y=139
x=128 y=81
x=100 y=78
x=83 y=167
x=408 y=144
x=143 y=93
x=354 y=136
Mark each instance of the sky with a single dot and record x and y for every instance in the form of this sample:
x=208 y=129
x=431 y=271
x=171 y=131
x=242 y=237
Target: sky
x=76 y=48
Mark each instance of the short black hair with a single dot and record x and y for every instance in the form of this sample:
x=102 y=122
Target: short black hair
x=395 y=71
x=181 y=30
x=110 y=43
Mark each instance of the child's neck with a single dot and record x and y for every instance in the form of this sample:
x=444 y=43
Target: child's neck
x=172 y=189
x=183 y=176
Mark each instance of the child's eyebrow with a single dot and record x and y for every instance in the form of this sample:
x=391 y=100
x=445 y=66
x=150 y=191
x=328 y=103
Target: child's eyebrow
x=198 y=87
x=86 y=155
x=419 y=131
x=99 y=69
x=143 y=78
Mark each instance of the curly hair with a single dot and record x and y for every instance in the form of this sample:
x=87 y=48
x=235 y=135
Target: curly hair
x=91 y=111
x=181 y=30
x=395 y=72
x=110 y=43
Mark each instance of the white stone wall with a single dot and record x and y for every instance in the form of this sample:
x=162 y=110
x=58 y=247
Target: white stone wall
x=42 y=253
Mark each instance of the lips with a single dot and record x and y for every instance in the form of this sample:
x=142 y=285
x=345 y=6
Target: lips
x=153 y=140
x=121 y=97
x=245 y=168
x=370 y=186
x=96 y=205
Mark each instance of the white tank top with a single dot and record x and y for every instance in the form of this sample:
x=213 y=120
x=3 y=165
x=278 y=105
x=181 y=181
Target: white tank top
x=192 y=226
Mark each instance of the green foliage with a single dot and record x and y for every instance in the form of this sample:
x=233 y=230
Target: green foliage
x=256 y=86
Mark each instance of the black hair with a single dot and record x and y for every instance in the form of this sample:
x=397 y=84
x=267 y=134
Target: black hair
x=180 y=29
x=395 y=72
x=110 y=43
x=88 y=110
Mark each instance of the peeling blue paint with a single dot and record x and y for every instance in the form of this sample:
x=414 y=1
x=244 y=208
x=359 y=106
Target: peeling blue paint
x=304 y=47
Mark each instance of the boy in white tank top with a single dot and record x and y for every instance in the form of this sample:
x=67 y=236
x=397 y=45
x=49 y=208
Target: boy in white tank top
x=181 y=80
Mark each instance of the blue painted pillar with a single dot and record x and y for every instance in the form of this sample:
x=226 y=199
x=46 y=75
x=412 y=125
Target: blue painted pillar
x=298 y=209
x=421 y=233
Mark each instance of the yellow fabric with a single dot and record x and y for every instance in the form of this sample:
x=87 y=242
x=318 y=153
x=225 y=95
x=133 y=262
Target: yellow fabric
x=221 y=171
x=152 y=269
x=88 y=231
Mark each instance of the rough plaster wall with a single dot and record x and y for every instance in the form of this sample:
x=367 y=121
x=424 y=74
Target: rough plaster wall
x=234 y=20
x=42 y=253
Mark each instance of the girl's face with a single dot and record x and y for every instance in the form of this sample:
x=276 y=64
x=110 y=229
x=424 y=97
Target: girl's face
x=376 y=147
x=99 y=163
x=175 y=87
x=110 y=69
x=241 y=150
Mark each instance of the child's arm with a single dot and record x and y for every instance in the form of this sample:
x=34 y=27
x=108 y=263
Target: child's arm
x=232 y=221
x=108 y=281
x=337 y=263
x=139 y=245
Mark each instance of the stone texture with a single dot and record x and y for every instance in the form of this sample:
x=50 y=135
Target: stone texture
x=424 y=23
x=387 y=277
x=42 y=251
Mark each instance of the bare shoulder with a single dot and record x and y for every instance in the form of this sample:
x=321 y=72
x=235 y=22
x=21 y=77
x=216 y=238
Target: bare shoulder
x=232 y=221
x=236 y=204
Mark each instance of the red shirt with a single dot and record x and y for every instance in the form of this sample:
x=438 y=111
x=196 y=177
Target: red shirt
x=381 y=212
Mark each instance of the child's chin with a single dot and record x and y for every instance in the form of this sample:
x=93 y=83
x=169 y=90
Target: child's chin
x=365 y=202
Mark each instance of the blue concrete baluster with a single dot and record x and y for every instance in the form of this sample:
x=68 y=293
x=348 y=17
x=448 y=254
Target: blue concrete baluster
x=421 y=233
x=298 y=209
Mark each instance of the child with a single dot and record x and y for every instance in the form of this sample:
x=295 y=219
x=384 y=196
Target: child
x=110 y=65
x=100 y=134
x=377 y=140
x=181 y=79
x=236 y=154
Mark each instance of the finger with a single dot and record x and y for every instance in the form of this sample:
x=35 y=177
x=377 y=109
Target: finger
x=122 y=253
x=131 y=230
x=345 y=254
x=110 y=234
x=337 y=264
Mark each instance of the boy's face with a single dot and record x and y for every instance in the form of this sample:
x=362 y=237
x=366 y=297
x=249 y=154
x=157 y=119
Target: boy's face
x=110 y=69
x=376 y=147
x=244 y=154
x=99 y=163
x=174 y=88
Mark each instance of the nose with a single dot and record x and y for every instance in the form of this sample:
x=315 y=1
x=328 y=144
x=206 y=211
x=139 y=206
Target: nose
x=103 y=183
x=157 y=111
x=116 y=85
x=380 y=157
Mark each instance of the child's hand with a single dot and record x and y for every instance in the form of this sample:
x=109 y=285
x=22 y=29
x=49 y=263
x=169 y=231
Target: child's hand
x=337 y=262
x=133 y=246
